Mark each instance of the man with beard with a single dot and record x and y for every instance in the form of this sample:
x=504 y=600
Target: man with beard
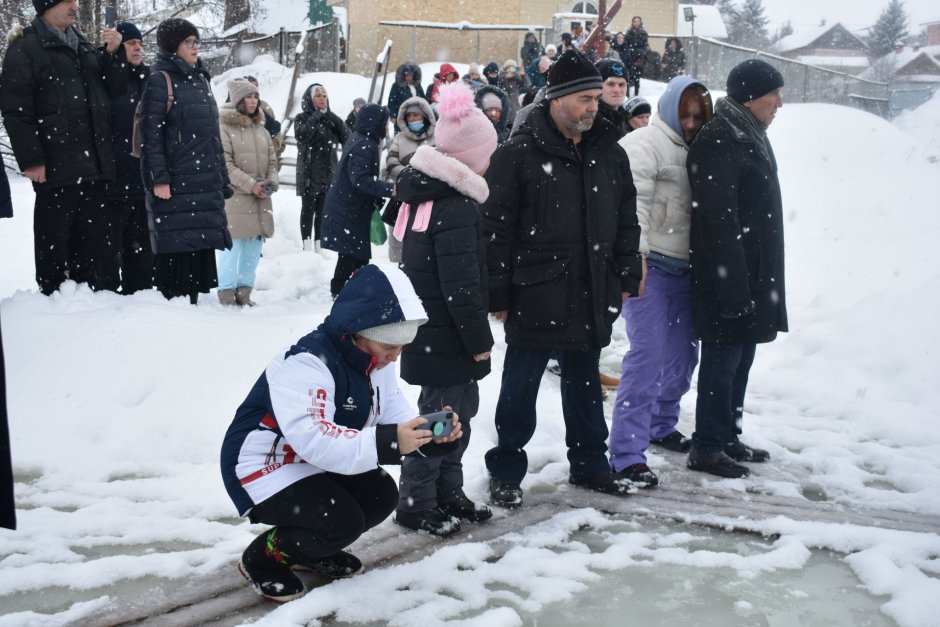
x=561 y=220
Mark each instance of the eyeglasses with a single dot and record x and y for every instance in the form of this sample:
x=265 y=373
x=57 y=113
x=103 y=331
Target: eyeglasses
x=191 y=42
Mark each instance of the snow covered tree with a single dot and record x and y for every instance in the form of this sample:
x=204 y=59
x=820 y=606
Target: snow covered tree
x=889 y=31
x=236 y=12
x=750 y=26
x=784 y=31
x=320 y=12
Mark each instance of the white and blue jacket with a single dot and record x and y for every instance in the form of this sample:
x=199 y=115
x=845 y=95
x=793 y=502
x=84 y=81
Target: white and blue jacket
x=320 y=405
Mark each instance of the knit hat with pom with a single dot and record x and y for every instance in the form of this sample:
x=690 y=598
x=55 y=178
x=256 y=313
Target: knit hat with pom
x=463 y=131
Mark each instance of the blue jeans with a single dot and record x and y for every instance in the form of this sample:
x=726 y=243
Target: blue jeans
x=581 y=403
x=722 y=382
x=657 y=370
x=237 y=266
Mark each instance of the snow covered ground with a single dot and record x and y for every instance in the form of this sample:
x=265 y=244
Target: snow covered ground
x=118 y=406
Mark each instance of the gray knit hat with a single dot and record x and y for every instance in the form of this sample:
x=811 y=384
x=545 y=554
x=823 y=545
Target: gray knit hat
x=239 y=89
x=394 y=334
x=571 y=73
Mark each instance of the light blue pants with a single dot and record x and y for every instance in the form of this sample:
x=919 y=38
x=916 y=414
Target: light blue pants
x=237 y=266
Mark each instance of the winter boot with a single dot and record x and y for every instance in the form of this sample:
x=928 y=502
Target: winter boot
x=243 y=296
x=433 y=520
x=505 y=493
x=608 y=483
x=308 y=245
x=465 y=509
x=637 y=475
x=337 y=566
x=716 y=463
x=227 y=298
x=741 y=452
x=266 y=568
x=675 y=441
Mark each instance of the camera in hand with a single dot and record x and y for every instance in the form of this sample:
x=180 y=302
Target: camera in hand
x=439 y=423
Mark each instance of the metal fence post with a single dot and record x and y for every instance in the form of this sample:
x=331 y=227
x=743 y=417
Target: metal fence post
x=280 y=45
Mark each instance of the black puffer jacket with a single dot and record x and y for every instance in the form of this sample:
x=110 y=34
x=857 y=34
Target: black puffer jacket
x=318 y=135
x=447 y=267
x=57 y=107
x=737 y=231
x=564 y=234
x=182 y=147
x=127 y=184
x=618 y=117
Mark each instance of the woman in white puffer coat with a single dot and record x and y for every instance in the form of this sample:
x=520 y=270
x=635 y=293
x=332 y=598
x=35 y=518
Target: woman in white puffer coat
x=252 y=170
x=657 y=370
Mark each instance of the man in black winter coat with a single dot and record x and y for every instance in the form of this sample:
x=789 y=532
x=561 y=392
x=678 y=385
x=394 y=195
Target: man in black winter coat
x=611 y=106
x=127 y=211
x=561 y=218
x=736 y=238
x=56 y=109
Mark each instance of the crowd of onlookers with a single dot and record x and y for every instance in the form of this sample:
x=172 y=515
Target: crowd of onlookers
x=537 y=193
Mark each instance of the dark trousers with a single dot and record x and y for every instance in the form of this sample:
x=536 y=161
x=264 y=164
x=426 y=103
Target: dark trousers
x=427 y=482
x=325 y=513
x=72 y=239
x=722 y=381
x=7 y=503
x=132 y=269
x=311 y=214
x=345 y=266
x=581 y=404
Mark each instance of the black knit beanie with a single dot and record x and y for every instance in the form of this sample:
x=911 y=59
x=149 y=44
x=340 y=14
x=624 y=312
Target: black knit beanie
x=42 y=6
x=752 y=79
x=172 y=32
x=571 y=73
x=128 y=31
x=611 y=67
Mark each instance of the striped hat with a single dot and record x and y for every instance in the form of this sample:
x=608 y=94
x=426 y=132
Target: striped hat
x=571 y=73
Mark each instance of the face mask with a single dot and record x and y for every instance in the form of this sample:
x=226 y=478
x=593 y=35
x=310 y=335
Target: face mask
x=416 y=127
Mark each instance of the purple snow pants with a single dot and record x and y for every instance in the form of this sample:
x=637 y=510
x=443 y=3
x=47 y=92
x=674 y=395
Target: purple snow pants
x=657 y=370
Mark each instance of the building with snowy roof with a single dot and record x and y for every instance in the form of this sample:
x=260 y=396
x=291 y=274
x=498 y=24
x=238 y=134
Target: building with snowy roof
x=831 y=47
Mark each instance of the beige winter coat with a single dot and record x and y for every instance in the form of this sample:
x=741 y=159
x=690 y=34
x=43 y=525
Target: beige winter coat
x=663 y=192
x=250 y=157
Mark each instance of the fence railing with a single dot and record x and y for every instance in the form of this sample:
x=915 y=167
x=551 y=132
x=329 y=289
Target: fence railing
x=322 y=49
x=710 y=61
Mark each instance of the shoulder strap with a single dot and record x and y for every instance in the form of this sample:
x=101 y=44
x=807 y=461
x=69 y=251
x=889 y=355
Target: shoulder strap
x=170 y=98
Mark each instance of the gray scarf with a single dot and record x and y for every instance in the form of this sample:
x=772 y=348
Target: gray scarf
x=746 y=125
x=69 y=37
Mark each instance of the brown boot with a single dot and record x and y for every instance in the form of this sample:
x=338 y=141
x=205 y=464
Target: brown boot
x=243 y=297
x=227 y=297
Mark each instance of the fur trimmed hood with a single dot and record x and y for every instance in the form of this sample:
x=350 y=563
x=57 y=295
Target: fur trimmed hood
x=228 y=114
x=447 y=169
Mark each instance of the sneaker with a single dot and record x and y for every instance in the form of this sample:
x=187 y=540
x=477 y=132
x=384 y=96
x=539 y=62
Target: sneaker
x=505 y=493
x=266 y=569
x=675 y=441
x=607 y=483
x=554 y=369
x=337 y=566
x=638 y=475
x=433 y=520
x=716 y=463
x=465 y=509
x=741 y=452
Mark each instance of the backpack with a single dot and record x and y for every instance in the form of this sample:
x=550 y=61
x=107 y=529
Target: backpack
x=135 y=136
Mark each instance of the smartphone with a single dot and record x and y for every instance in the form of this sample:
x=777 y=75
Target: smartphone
x=439 y=423
x=109 y=16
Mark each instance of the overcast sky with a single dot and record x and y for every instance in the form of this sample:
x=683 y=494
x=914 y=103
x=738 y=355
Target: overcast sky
x=855 y=14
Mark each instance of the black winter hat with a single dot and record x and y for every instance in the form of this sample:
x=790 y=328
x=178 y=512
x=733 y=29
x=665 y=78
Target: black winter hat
x=611 y=67
x=571 y=73
x=752 y=79
x=128 y=31
x=42 y=6
x=172 y=32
